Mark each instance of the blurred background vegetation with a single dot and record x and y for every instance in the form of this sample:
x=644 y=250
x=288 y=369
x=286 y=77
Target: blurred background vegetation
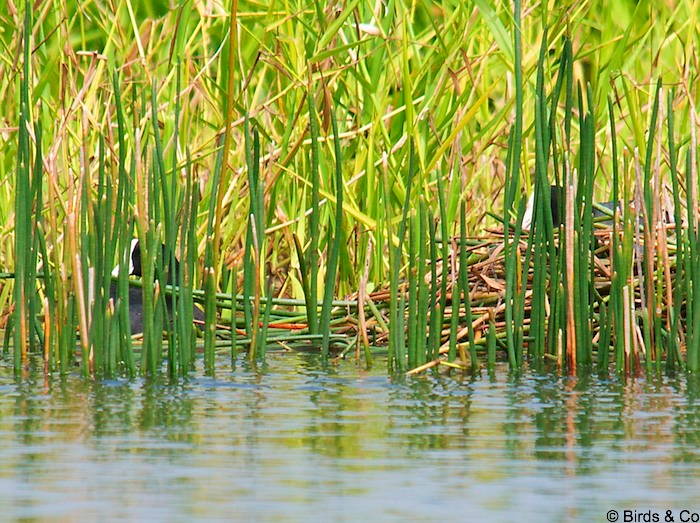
x=437 y=73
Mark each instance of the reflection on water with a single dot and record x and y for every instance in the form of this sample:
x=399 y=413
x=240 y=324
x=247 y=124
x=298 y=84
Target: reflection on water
x=294 y=440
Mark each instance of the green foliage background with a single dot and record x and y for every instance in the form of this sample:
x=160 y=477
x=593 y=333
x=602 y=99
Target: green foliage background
x=438 y=73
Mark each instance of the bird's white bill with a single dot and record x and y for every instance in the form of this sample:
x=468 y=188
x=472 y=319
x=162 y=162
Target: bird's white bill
x=527 y=218
x=115 y=271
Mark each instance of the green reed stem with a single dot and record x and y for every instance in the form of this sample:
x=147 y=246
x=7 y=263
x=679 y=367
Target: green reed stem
x=334 y=247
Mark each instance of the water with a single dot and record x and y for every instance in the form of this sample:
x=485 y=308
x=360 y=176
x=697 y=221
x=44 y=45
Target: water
x=295 y=442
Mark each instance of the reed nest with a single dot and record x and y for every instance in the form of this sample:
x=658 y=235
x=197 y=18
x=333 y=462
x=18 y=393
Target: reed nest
x=487 y=291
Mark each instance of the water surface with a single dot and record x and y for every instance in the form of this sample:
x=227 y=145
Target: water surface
x=295 y=441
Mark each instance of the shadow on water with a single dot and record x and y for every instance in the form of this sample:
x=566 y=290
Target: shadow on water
x=294 y=437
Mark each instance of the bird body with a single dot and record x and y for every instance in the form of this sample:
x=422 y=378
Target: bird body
x=135 y=293
x=556 y=204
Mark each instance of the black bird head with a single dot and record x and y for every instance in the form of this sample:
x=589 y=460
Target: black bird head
x=135 y=268
x=136 y=264
x=135 y=296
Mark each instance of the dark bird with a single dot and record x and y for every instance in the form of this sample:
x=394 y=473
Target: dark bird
x=556 y=202
x=136 y=293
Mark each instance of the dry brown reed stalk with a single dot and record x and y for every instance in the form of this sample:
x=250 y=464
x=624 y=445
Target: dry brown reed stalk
x=627 y=327
x=569 y=256
x=75 y=198
x=642 y=255
x=362 y=298
x=424 y=367
x=456 y=302
x=142 y=193
x=666 y=262
x=47 y=333
x=640 y=349
x=478 y=322
x=649 y=234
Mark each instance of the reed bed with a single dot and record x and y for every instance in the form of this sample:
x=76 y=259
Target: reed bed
x=341 y=180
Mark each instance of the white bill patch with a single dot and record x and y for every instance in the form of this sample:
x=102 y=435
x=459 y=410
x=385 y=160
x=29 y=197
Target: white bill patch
x=527 y=218
x=115 y=271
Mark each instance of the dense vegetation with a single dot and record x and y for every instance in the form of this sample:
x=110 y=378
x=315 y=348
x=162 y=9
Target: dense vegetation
x=311 y=152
